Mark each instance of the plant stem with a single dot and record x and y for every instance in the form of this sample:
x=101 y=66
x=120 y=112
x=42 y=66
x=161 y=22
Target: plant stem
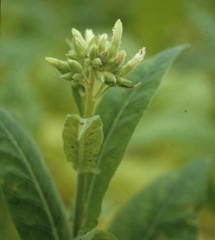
x=79 y=203
x=90 y=98
x=81 y=181
x=100 y=90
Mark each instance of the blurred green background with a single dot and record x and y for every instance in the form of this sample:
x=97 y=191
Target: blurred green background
x=177 y=128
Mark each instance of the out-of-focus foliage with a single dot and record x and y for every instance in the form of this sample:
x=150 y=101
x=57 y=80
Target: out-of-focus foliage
x=179 y=124
x=166 y=210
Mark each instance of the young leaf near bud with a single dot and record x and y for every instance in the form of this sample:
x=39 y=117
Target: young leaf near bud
x=115 y=63
x=109 y=79
x=130 y=65
x=97 y=63
x=79 y=48
x=93 y=53
x=102 y=42
x=75 y=66
x=116 y=39
x=61 y=66
x=67 y=76
x=78 y=35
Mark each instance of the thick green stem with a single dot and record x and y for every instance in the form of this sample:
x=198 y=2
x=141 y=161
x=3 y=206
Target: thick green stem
x=90 y=98
x=79 y=201
x=100 y=90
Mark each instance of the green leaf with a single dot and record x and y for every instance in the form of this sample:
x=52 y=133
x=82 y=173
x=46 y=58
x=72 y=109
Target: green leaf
x=211 y=187
x=120 y=111
x=82 y=141
x=32 y=198
x=97 y=235
x=167 y=208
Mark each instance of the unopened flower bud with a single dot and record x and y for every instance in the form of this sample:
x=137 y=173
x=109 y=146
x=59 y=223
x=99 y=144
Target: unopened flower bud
x=89 y=35
x=116 y=39
x=77 y=77
x=96 y=63
x=104 y=57
x=115 y=63
x=93 y=41
x=70 y=43
x=79 y=48
x=130 y=65
x=102 y=42
x=67 y=76
x=79 y=36
x=122 y=81
x=93 y=53
x=62 y=66
x=99 y=76
x=75 y=66
x=109 y=78
x=87 y=62
x=72 y=55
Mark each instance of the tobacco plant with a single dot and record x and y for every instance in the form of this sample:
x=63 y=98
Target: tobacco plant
x=111 y=95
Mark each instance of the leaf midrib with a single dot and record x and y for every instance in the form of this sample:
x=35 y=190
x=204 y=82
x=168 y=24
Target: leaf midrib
x=37 y=186
x=106 y=142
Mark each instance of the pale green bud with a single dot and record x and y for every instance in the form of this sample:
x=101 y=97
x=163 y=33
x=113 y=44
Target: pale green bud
x=89 y=35
x=69 y=43
x=87 y=62
x=67 y=76
x=109 y=78
x=115 y=63
x=99 y=76
x=93 y=41
x=62 y=66
x=78 y=35
x=130 y=65
x=75 y=66
x=104 y=57
x=116 y=39
x=93 y=53
x=97 y=63
x=77 y=77
x=102 y=42
x=72 y=55
x=122 y=81
x=79 y=47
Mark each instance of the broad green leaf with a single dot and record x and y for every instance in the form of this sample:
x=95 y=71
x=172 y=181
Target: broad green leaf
x=82 y=141
x=211 y=187
x=32 y=198
x=120 y=111
x=97 y=235
x=167 y=208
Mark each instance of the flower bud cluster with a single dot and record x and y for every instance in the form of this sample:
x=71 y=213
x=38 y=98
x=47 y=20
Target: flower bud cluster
x=97 y=54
